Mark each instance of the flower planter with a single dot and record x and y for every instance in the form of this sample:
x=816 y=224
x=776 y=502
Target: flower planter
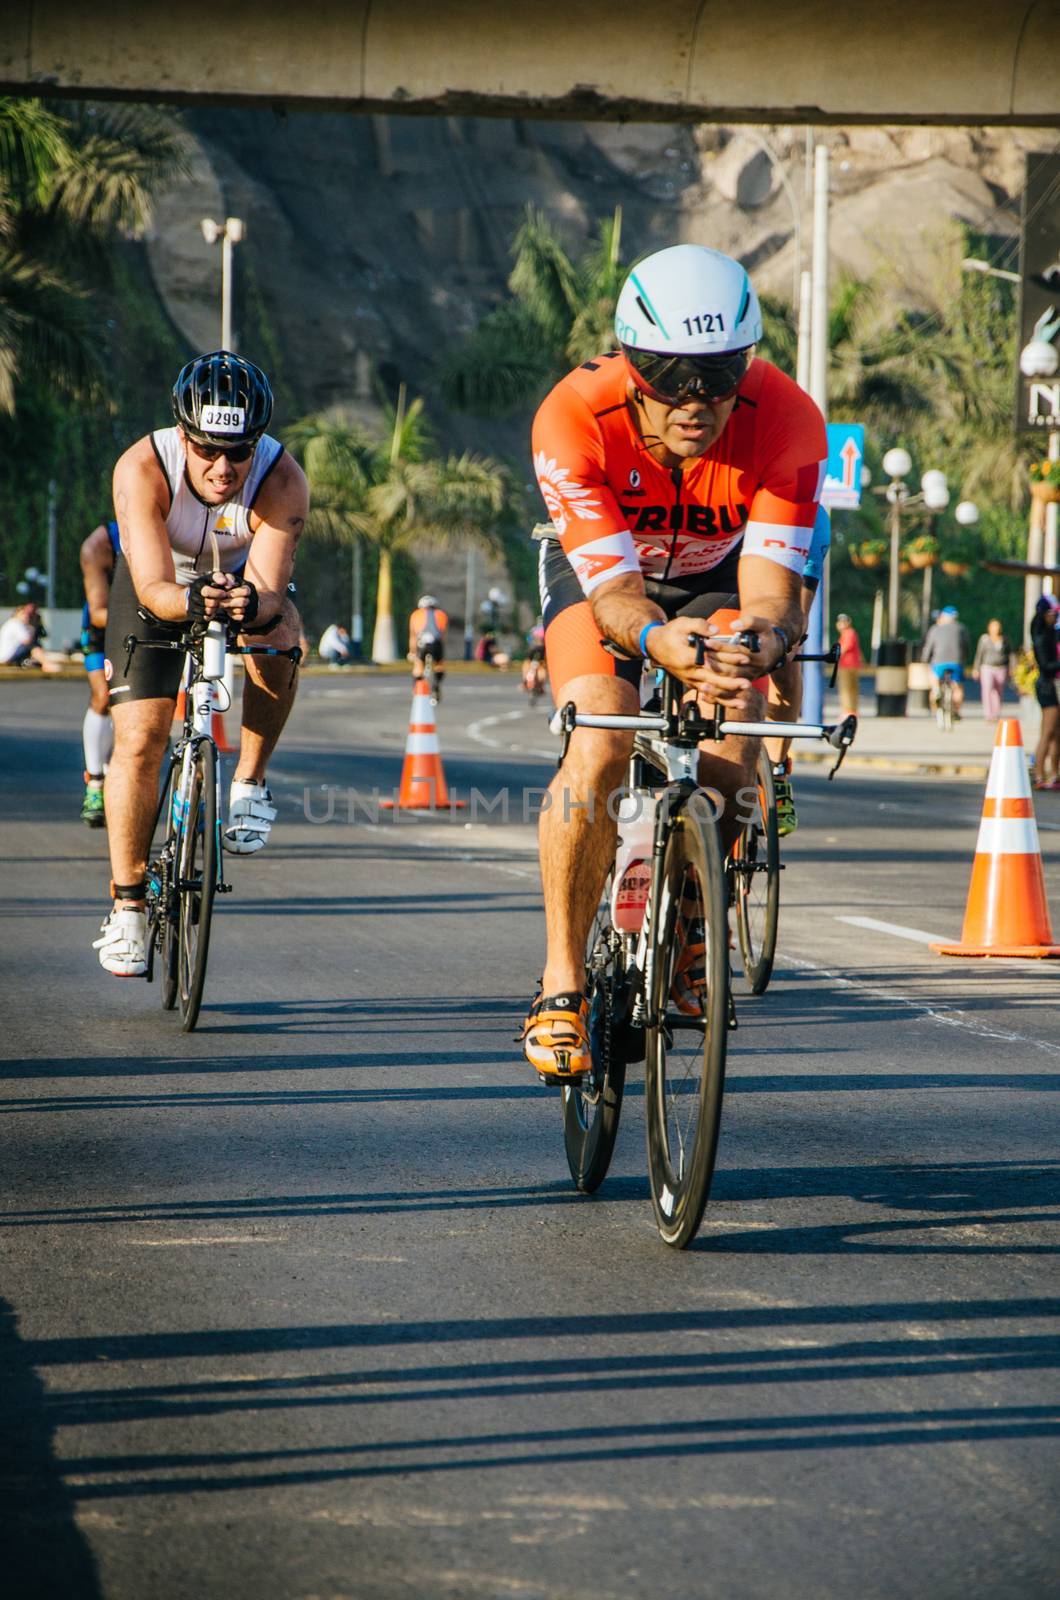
x=921 y=559
x=871 y=561
x=1047 y=493
x=955 y=569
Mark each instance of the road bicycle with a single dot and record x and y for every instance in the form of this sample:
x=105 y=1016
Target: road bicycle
x=661 y=994
x=184 y=871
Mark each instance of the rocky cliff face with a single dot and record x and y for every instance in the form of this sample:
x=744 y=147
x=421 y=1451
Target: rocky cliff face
x=374 y=242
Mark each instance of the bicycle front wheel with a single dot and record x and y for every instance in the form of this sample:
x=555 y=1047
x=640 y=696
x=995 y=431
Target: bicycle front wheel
x=688 y=1018
x=592 y=1105
x=162 y=902
x=755 y=869
x=197 y=880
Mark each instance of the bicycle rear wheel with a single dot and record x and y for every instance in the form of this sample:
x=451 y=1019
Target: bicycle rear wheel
x=687 y=1039
x=755 y=868
x=197 y=880
x=592 y=1105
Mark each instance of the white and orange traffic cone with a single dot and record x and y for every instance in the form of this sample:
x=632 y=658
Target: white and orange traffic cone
x=423 y=786
x=1007 y=913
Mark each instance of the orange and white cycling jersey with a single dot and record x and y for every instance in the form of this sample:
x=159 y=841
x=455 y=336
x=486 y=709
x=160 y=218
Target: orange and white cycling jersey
x=617 y=510
x=428 y=619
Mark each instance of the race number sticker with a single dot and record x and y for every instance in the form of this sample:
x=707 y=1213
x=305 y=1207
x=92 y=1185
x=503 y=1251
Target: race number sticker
x=223 y=419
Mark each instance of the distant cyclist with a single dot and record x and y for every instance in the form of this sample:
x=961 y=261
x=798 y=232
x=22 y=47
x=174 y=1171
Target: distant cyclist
x=946 y=650
x=98 y=555
x=427 y=630
x=682 y=477
x=215 y=478
x=534 y=674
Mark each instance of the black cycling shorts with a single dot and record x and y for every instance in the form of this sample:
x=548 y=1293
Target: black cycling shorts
x=573 y=646
x=1045 y=692
x=432 y=647
x=146 y=674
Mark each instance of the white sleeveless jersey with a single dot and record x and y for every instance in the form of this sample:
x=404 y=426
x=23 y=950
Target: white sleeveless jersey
x=189 y=521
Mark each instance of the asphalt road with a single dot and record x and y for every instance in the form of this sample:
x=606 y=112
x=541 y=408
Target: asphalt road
x=303 y=1306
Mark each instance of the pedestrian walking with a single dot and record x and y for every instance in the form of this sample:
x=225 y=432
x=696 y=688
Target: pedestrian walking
x=848 y=677
x=1047 y=658
x=993 y=656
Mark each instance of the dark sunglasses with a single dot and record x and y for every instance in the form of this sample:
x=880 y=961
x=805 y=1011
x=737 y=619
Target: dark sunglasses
x=235 y=453
x=670 y=379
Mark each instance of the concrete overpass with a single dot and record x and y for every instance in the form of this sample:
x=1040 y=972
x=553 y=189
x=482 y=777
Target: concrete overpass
x=811 y=61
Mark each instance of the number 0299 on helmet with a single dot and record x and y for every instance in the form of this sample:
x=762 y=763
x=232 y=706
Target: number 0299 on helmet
x=219 y=399
x=687 y=321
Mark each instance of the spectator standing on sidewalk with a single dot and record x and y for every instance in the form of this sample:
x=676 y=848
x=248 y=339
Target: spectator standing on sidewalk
x=993 y=654
x=1047 y=657
x=848 y=677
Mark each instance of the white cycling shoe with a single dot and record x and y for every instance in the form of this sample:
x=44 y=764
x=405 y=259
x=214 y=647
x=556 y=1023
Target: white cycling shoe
x=251 y=815
x=122 y=944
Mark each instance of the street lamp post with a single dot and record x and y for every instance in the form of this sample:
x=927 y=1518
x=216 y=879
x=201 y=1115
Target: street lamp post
x=231 y=231
x=892 y=677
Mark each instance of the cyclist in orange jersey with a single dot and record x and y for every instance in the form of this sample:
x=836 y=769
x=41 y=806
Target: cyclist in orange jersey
x=682 y=477
x=427 y=630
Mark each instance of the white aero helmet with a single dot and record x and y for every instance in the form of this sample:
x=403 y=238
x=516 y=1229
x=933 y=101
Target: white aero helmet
x=687 y=321
x=426 y=601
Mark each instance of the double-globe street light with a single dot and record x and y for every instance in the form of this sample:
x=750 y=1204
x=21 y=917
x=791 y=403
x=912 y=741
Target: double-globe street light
x=892 y=677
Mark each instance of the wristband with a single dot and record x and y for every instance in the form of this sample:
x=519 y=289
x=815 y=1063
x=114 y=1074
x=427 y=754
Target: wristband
x=644 y=632
x=785 y=642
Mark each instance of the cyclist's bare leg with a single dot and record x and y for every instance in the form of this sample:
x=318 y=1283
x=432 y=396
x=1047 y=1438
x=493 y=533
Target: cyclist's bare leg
x=141 y=733
x=269 y=688
x=731 y=771
x=785 y=704
x=576 y=835
x=98 y=692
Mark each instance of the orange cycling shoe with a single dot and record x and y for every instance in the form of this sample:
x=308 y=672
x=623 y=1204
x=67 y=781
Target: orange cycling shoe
x=555 y=1036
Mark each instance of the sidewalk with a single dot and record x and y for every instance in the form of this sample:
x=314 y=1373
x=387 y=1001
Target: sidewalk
x=915 y=744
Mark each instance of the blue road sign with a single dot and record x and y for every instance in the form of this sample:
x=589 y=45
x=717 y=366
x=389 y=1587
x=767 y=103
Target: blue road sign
x=842 y=479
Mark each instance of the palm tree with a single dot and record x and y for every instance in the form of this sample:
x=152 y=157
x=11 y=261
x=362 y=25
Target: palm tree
x=561 y=312
x=393 y=493
x=72 y=178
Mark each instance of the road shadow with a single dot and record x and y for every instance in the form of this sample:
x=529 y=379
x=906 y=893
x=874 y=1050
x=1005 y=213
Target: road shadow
x=45 y=1556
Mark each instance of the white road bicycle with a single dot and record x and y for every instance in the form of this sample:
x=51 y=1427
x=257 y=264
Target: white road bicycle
x=637 y=981
x=184 y=870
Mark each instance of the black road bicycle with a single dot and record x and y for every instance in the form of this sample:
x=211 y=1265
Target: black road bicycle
x=184 y=870
x=662 y=995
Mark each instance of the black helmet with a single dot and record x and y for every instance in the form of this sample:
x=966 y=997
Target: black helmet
x=221 y=399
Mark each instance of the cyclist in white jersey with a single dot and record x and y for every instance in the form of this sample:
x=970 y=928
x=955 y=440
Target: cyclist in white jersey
x=215 y=481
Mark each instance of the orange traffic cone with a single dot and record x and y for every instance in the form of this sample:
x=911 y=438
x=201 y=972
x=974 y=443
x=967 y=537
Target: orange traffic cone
x=217 y=725
x=422 y=778
x=1007 y=913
